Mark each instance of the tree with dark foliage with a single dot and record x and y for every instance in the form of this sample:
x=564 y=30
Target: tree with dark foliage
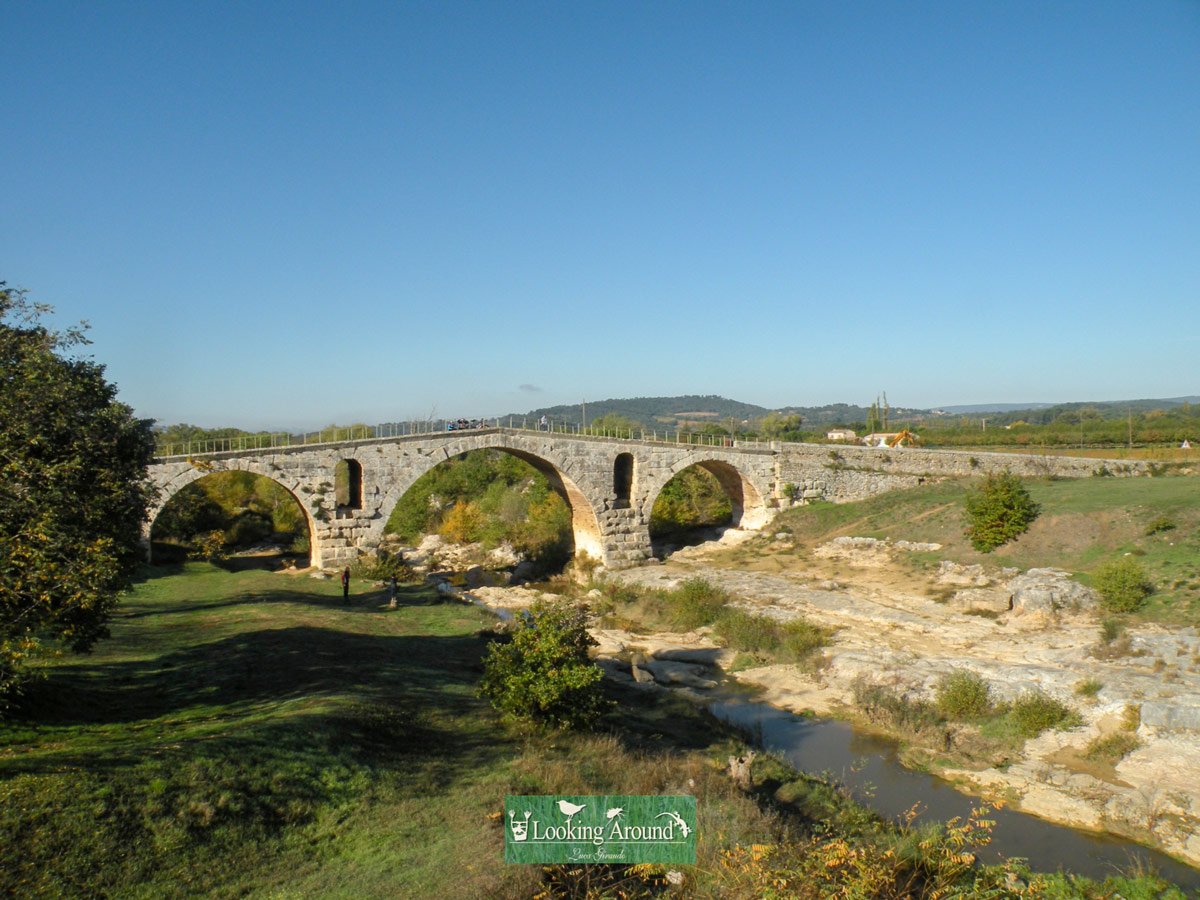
x=73 y=491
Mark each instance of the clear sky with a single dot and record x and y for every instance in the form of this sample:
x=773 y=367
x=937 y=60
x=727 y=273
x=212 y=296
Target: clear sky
x=289 y=214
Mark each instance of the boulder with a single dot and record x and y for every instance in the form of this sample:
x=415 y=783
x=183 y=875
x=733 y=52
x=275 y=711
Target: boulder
x=955 y=574
x=1048 y=592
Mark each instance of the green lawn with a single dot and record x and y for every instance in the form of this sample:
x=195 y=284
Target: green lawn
x=247 y=733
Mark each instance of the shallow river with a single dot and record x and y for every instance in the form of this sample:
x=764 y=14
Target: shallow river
x=870 y=767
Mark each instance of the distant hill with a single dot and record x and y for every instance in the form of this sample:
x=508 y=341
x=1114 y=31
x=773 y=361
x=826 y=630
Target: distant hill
x=654 y=412
x=695 y=410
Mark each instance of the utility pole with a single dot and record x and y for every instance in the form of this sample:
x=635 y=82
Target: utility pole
x=1130 y=411
x=583 y=416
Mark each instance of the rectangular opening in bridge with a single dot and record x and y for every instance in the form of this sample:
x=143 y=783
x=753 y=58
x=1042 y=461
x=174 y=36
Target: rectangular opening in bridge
x=347 y=484
x=623 y=479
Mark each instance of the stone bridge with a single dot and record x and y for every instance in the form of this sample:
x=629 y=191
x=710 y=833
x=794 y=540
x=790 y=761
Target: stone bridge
x=610 y=484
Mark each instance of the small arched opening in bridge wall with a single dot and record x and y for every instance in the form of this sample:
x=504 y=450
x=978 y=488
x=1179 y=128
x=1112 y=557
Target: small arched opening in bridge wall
x=228 y=510
x=348 y=484
x=699 y=502
x=623 y=480
x=484 y=494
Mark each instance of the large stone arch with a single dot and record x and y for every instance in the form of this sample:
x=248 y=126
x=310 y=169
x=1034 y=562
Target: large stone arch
x=585 y=523
x=170 y=480
x=748 y=497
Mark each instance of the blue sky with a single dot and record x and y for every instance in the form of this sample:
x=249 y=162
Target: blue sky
x=288 y=214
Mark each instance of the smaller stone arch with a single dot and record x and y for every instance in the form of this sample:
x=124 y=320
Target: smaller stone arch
x=171 y=478
x=750 y=509
x=623 y=473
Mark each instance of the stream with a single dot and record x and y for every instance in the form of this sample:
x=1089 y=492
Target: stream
x=870 y=767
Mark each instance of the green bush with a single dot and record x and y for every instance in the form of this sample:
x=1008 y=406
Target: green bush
x=884 y=704
x=1122 y=585
x=798 y=639
x=381 y=566
x=963 y=695
x=998 y=511
x=743 y=631
x=697 y=602
x=792 y=641
x=1034 y=712
x=1113 y=747
x=1159 y=525
x=543 y=674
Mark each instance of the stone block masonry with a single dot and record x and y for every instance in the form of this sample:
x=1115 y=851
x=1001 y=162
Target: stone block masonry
x=609 y=484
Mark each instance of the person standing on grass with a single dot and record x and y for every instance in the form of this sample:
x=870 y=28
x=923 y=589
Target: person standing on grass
x=346 y=585
x=392 y=592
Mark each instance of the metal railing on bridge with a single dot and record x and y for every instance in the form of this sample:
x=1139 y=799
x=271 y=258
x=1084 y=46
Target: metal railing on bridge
x=281 y=440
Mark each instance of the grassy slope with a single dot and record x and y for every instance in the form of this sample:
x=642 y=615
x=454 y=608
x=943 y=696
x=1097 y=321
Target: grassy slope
x=1083 y=523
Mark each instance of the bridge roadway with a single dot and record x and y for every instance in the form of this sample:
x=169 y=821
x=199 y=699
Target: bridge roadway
x=610 y=484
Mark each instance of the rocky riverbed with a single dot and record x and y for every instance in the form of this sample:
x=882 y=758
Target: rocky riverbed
x=1018 y=630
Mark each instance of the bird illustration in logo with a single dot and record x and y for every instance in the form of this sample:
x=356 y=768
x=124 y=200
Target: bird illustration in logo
x=678 y=819
x=570 y=809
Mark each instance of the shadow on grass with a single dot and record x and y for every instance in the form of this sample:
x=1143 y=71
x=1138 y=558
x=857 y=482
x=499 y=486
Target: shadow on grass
x=213 y=750
x=371 y=601
x=259 y=667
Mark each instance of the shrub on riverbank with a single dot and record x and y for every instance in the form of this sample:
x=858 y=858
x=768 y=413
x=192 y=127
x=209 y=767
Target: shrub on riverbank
x=963 y=695
x=543 y=674
x=1122 y=585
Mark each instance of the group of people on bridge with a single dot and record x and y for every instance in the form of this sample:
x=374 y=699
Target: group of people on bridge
x=464 y=424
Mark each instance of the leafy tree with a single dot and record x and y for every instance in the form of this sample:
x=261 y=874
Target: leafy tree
x=777 y=425
x=73 y=490
x=998 y=511
x=1122 y=585
x=874 y=420
x=543 y=674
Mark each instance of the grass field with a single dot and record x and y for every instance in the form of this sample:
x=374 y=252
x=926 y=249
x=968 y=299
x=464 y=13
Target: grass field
x=247 y=734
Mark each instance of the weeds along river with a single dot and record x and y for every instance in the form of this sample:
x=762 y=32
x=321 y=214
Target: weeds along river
x=870 y=768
